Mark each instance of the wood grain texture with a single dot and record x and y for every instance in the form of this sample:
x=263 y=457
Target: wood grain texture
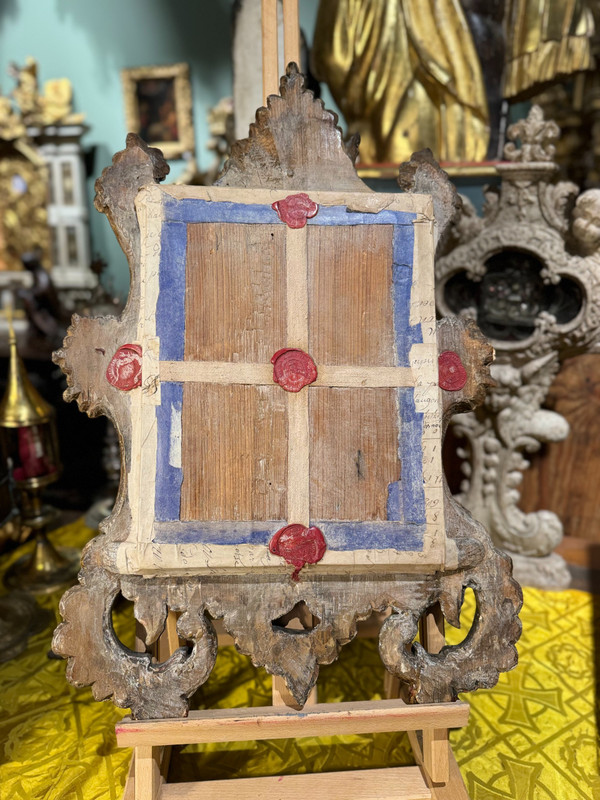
x=147 y=772
x=563 y=476
x=235 y=292
x=291 y=31
x=455 y=788
x=270 y=57
x=400 y=783
x=294 y=144
x=235 y=461
x=276 y=722
x=350 y=299
x=353 y=452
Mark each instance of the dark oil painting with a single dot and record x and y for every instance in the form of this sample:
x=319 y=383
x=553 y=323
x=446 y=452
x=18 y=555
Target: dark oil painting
x=156 y=104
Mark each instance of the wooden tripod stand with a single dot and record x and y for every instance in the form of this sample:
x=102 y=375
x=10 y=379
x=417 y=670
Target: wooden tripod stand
x=435 y=776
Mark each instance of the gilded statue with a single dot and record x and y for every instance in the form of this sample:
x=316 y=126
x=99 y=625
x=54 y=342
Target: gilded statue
x=52 y=107
x=409 y=74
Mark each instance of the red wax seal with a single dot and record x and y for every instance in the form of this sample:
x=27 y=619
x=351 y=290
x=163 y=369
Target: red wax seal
x=293 y=369
x=299 y=546
x=453 y=374
x=125 y=368
x=295 y=209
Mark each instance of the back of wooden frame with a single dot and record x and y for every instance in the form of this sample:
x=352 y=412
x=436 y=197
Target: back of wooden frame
x=223 y=456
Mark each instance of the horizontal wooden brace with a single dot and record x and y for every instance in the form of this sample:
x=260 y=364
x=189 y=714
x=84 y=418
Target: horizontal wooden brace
x=396 y=783
x=322 y=719
x=262 y=374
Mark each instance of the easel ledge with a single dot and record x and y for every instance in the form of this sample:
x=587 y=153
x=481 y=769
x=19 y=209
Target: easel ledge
x=277 y=722
x=152 y=738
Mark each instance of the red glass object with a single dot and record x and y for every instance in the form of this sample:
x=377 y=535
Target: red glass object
x=452 y=372
x=293 y=369
x=34 y=454
x=295 y=209
x=125 y=369
x=299 y=546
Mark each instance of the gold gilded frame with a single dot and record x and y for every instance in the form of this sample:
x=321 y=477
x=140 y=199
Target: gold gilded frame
x=180 y=73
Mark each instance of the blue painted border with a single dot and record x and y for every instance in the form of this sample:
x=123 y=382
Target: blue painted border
x=405 y=527
x=167 y=497
x=406 y=497
x=342 y=535
x=170 y=306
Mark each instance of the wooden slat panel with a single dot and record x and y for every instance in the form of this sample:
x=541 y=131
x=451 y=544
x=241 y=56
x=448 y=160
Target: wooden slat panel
x=235 y=300
x=354 y=452
x=234 y=456
x=396 y=783
x=350 y=301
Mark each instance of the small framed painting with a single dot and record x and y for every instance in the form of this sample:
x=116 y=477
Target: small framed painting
x=158 y=107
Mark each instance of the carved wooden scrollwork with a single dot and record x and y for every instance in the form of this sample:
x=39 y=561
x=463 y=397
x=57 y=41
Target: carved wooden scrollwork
x=131 y=679
x=295 y=144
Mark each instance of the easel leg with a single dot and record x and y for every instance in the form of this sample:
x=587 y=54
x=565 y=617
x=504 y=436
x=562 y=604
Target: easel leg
x=169 y=639
x=435 y=740
x=149 y=765
x=391 y=685
x=454 y=788
x=147 y=773
x=431 y=747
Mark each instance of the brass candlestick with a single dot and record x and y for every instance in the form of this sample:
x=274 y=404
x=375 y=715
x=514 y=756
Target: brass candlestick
x=30 y=445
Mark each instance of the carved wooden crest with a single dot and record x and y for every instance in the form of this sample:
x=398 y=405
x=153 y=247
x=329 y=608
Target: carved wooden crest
x=274 y=381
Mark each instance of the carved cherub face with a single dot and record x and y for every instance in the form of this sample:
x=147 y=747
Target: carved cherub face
x=586 y=220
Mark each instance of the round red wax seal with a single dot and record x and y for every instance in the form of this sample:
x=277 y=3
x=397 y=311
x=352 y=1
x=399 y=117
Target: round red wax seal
x=125 y=368
x=453 y=374
x=293 y=369
x=299 y=546
x=295 y=209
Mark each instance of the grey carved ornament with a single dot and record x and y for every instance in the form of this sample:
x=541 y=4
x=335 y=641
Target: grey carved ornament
x=529 y=273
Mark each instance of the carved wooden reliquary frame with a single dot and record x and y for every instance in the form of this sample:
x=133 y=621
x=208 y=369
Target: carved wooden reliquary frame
x=326 y=311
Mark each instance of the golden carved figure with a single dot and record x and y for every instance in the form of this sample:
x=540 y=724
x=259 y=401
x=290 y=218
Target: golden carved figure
x=409 y=74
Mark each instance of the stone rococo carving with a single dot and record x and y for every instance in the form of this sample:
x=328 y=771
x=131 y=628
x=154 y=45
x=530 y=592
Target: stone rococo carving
x=529 y=272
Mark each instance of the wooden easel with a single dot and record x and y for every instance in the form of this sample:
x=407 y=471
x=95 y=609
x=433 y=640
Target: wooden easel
x=436 y=774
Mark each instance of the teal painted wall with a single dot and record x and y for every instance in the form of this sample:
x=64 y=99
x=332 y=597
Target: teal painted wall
x=90 y=41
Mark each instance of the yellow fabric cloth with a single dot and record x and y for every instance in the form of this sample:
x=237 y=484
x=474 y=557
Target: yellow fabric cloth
x=533 y=737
